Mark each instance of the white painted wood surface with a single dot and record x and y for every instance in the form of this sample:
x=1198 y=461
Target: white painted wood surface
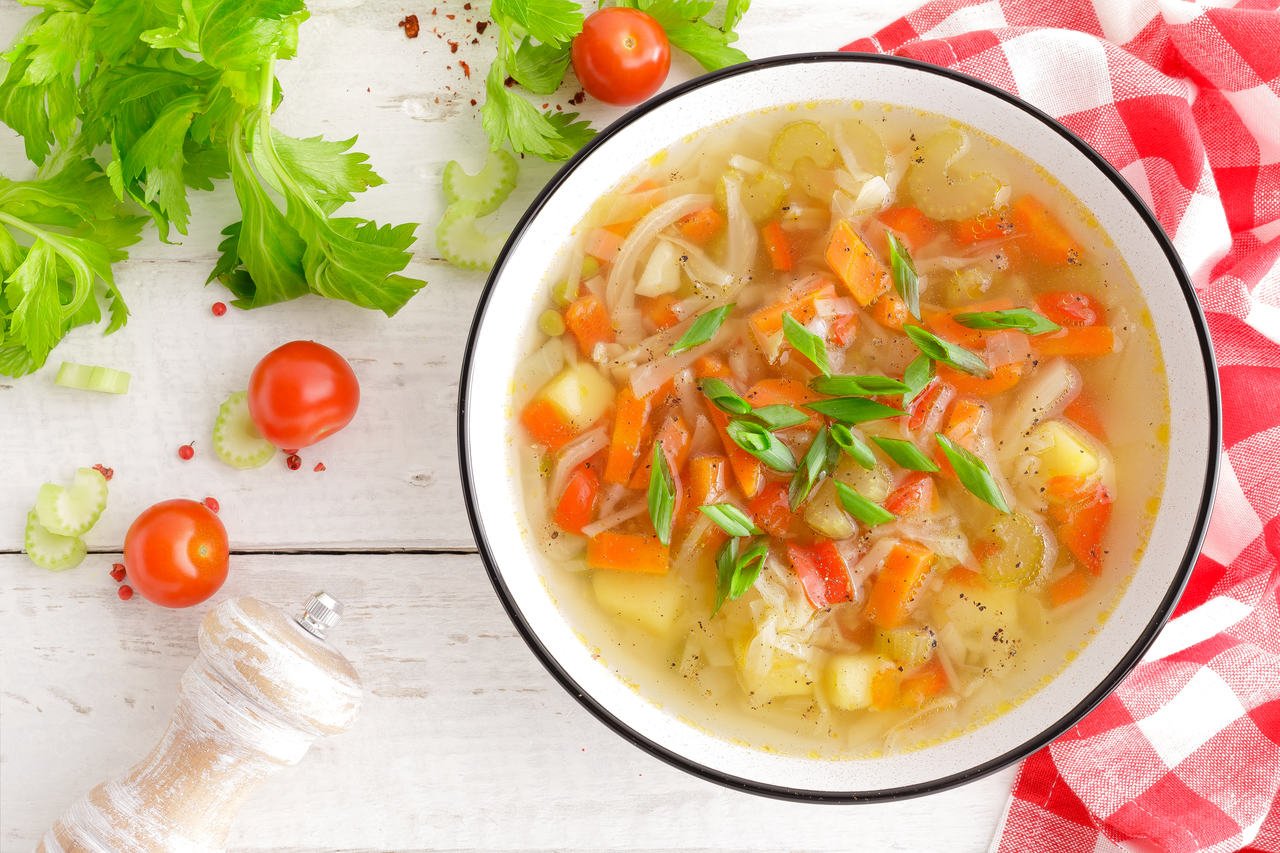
x=465 y=743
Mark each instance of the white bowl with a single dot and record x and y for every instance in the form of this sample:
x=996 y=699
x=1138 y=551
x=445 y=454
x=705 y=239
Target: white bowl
x=500 y=338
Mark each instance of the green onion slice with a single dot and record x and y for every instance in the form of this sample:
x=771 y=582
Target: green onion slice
x=903 y=271
x=762 y=444
x=730 y=519
x=905 y=453
x=662 y=495
x=1020 y=319
x=853 y=410
x=865 y=510
x=973 y=473
x=806 y=343
x=952 y=355
x=702 y=329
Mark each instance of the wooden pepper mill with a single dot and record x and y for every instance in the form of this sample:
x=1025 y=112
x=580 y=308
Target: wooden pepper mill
x=263 y=687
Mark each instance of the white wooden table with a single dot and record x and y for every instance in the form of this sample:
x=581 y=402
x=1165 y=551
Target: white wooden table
x=465 y=743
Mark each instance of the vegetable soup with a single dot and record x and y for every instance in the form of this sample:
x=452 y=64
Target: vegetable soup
x=842 y=428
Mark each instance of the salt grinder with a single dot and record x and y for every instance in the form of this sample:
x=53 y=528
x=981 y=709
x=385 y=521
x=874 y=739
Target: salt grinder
x=263 y=687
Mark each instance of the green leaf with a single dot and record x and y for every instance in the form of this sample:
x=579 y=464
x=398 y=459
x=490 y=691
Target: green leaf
x=327 y=171
x=682 y=21
x=817 y=463
x=662 y=494
x=853 y=410
x=1021 y=319
x=733 y=12
x=973 y=473
x=867 y=511
x=851 y=444
x=916 y=377
x=245 y=35
x=806 y=343
x=508 y=116
x=540 y=68
x=703 y=329
x=903 y=270
x=723 y=397
x=779 y=416
x=952 y=355
x=857 y=386
x=730 y=519
x=548 y=21
x=763 y=445
x=905 y=453
x=156 y=161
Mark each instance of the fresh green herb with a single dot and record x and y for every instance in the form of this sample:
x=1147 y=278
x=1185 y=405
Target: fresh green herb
x=175 y=96
x=806 y=343
x=973 y=473
x=662 y=494
x=867 y=511
x=905 y=453
x=853 y=410
x=851 y=444
x=762 y=444
x=703 y=329
x=952 y=355
x=857 y=386
x=1022 y=319
x=779 y=416
x=723 y=397
x=817 y=463
x=916 y=377
x=686 y=28
x=737 y=572
x=730 y=519
x=903 y=271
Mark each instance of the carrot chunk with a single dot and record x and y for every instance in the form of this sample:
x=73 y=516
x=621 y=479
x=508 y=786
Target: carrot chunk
x=1076 y=342
x=913 y=494
x=701 y=225
x=1042 y=234
x=706 y=480
x=747 y=470
x=914 y=227
x=897 y=584
x=890 y=311
x=1002 y=378
x=1068 y=588
x=628 y=552
x=711 y=365
x=771 y=508
x=859 y=270
x=991 y=225
x=1071 y=308
x=578 y=501
x=1082 y=510
x=632 y=413
x=928 y=681
x=547 y=424
x=676 y=437
x=822 y=571
x=588 y=320
x=778 y=246
x=659 y=310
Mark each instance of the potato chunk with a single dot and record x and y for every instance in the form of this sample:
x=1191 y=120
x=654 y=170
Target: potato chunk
x=1065 y=452
x=581 y=394
x=653 y=602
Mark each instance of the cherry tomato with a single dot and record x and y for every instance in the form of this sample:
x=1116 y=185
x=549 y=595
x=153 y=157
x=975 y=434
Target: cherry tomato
x=301 y=392
x=175 y=553
x=621 y=56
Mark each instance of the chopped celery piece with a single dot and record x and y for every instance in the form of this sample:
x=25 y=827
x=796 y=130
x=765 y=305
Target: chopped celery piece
x=802 y=139
x=72 y=511
x=461 y=241
x=236 y=440
x=90 y=377
x=49 y=550
x=488 y=188
x=907 y=647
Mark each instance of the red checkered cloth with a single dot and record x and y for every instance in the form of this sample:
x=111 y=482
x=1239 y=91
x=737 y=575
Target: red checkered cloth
x=1184 y=99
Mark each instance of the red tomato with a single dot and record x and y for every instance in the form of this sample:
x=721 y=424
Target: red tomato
x=175 y=553
x=823 y=573
x=300 y=393
x=621 y=56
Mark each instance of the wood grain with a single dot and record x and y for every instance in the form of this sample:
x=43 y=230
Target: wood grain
x=464 y=741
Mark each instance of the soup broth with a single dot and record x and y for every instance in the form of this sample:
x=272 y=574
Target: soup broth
x=842 y=428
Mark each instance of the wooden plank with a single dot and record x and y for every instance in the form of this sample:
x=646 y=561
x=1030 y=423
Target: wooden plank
x=464 y=742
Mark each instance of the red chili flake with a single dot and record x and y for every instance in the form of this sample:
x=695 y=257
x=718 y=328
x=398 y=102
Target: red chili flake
x=125 y=592
x=293 y=461
x=475 y=41
x=473 y=102
x=451 y=17
x=578 y=97
x=212 y=504
x=481 y=26
x=466 y=69
x=559 y=108
x=509 y=82
x=466 y=6
x=410 y=25
x=453 y=47
x=546 y=105
x=319 y=467
x=117 y=572
x=433 y=11
x=187 y=451
x=107 y=473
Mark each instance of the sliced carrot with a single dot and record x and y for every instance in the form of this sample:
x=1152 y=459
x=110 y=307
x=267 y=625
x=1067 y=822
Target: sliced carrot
x=913 y=494
x=707 y=480
x=711 y=365
x=659 y=310
x=991 y=225
x=603 y=244
x=822 y=571
x=1082 y=511
x=855 y=265
x=1071 y=308
x=547 y=424
x=771 y=508
x=578 y=501
x=967 y=578
x=778 y=246
x=747 y=470
x=1002 y=378
x=964 y=421
x=1076 y=342
x=588 y=320
x=928 y=681
x=1084 y=412
x=701 y=225
x=628 y=552
x=914 y=227
x=766 y=323
x=676 y=437
x=884 y=689
x=632 y=414
x=897 y=584
x=1040 y=233
x=1068 y=588
x=780 y=390
x=890 y=311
